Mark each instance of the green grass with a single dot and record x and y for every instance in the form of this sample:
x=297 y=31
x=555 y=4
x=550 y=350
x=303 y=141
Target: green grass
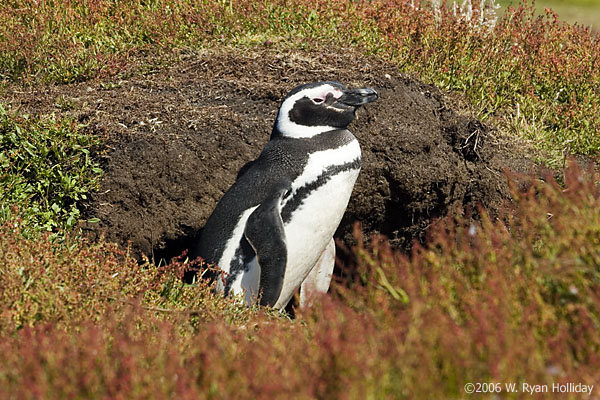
x=46 y=169
x=584 y=12
x=531 y=76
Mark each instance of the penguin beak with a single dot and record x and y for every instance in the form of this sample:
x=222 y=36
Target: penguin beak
x=358 y=97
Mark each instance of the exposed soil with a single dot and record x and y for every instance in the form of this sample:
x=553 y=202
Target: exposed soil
x=177 y=137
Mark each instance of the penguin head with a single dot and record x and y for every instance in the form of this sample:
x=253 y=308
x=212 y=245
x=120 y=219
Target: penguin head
x=314 y=108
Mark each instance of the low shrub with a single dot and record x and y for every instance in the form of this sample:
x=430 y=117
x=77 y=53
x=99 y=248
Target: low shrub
x=507 y=301
x=46 y=170
x=512 y=300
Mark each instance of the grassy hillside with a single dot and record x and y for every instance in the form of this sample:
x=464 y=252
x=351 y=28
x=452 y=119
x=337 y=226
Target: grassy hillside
x=529 y=74
x=513 y=300
x=583 y=12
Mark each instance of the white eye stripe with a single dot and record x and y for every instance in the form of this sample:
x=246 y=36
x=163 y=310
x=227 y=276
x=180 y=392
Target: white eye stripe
x=291 y=129
x=335 y=93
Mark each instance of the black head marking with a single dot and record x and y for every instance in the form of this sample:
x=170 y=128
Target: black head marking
x=308 y=112
x=314 y=108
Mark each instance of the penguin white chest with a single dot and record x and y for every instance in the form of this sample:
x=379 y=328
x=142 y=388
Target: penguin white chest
x=321 y=194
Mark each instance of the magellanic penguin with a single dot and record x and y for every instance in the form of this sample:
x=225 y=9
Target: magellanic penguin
x=272 y=231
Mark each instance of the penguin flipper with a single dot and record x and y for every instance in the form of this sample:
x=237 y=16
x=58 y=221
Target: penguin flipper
x=264 y=231
x=319 y=277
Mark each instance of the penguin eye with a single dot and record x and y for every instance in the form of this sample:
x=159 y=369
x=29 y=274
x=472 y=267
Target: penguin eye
x=318 y=100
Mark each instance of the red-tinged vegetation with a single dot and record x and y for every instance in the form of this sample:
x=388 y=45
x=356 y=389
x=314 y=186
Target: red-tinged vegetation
x=501 y=300
x=531 y=75
x=513 y=300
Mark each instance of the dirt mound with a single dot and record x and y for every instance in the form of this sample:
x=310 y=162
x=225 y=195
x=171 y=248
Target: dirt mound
x=177 y=137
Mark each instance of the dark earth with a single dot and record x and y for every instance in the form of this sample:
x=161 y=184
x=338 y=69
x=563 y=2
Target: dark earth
x=177 y=135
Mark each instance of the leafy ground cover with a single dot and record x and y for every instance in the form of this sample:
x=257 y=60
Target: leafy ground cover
x=532 y=75
x=497 y=302
x=46 y=168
